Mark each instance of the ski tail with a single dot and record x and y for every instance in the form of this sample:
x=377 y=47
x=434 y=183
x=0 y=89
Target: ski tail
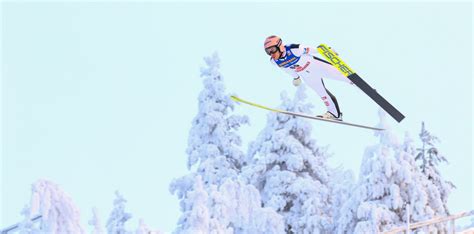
x=372 y=93
x=337 y=62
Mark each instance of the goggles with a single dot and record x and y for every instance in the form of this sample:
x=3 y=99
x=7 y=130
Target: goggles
x=271 y=50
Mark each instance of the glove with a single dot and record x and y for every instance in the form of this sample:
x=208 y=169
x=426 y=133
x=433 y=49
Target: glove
x=296 y=81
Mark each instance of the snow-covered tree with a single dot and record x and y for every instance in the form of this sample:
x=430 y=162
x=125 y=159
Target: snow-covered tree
x=290 y=171
x=213 y=142
x=196 y=217
x=233 y=207
x=118 y=217
x=58 y=212
x=390 y=182
x=428 y=153
x=215 y=161
x=430 y=158
x=342 y=183
x=144 y=229
x=95 y=222
x=214 y=152
x=238 y=206
x=368 y=209
x=27 y=226
x=417 y=194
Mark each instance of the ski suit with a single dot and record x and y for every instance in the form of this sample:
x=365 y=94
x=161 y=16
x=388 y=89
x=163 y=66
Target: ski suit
x=300 y=61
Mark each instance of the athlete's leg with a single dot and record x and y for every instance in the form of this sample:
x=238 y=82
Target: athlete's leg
x=317 y=84
x=328 y=71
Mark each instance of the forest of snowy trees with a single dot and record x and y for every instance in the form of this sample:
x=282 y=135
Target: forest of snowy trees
x=292 y=184
x=280 y=183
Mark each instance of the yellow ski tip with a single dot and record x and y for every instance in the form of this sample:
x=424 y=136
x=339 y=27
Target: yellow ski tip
x=237 y=99
x=334 y=59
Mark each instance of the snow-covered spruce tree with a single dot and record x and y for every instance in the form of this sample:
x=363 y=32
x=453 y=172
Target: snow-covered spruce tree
x=27 y=226
x=343 y=184
x=290 y=170
x=429 y=158
x=238 y=206
x=215 y=158
x=196 y=217
x=95 y=222
x=213 y=142
x=417 y=192
x=118 y=217
x=144 y=229
x=58 y=212
x=390 y=182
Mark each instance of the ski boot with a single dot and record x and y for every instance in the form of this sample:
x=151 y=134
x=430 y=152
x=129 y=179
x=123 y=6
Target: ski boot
x=330 y=116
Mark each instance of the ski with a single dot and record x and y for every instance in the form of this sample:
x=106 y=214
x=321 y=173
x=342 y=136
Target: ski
x=237 y=99
x=337 y=62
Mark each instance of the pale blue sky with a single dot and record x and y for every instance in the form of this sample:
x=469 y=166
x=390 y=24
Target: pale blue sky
x=100 y=96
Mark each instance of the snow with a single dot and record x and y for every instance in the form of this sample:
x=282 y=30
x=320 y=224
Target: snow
x=391 y=184
x=58 y=212
x=213 y=134
x=118 y=216
x=144 y=229
x=430 y=158
x=282 y=184
x=290 y=171
x=195 y=218
x=213 y=198
x=95 y=222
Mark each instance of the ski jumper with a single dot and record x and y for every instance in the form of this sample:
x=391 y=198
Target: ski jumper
x=300 y=61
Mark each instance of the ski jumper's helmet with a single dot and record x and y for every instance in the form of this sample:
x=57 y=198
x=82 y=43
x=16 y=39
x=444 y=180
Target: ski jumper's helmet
x=272 y=44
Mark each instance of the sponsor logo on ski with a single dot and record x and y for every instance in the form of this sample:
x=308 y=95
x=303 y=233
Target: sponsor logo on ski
x=335 y=60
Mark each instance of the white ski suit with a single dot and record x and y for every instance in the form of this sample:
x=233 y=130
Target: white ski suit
x=300 y=61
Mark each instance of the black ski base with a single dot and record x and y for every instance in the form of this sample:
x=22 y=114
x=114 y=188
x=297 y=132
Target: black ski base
x=372 y=93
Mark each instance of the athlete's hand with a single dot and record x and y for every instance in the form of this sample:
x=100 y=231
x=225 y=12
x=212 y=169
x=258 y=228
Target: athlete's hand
x=296 y=81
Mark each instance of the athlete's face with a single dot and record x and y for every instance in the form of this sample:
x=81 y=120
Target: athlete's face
x=276 y=55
